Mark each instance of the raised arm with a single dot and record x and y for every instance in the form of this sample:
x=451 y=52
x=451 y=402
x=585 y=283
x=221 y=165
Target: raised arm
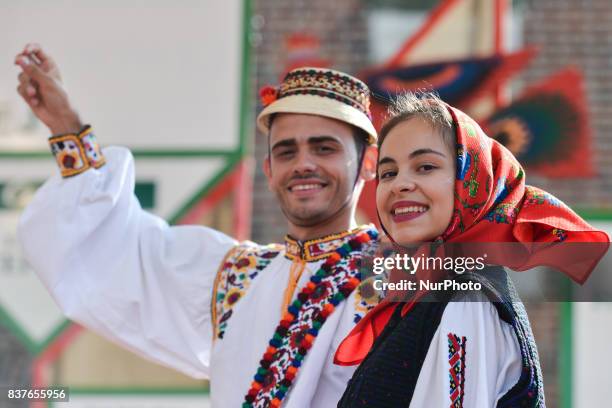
x=40 y=85
x=109 y=265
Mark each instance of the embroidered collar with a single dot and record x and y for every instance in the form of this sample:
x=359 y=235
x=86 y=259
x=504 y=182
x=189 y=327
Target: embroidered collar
x=320 y=248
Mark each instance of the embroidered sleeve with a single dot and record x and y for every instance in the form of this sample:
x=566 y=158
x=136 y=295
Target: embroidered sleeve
x=76 y=153
x=474 y=359
x=366 y=298
x=240 y=267
x=122 y=272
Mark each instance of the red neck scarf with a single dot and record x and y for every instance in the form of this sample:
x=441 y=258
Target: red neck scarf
x=493 y=204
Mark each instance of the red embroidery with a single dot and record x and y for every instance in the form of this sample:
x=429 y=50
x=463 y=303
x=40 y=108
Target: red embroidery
x=456 y=361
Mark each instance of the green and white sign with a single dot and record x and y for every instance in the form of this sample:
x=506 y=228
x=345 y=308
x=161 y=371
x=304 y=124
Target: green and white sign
x=136 y=399
x=167 y=79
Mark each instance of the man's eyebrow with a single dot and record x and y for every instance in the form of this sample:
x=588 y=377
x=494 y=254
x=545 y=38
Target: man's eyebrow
x=284 y=143
x=322 y=139
x=311 y=140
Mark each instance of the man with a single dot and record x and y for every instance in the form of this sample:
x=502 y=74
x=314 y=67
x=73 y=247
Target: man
x=261 y=322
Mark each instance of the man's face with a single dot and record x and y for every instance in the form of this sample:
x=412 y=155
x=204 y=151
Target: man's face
x=312 y=166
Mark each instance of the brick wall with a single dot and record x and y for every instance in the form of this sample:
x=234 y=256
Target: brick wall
x=340 y=27
x=577 y=32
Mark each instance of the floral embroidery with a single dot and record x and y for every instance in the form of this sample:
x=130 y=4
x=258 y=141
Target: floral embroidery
x=242 y=264
x=456 y=371
x=69 y=155
x=469 y=128
x=501 y=191
x=472 y=184
x=75 y=154
x=559 y=234
x=317 y=249
x=92 y=148
x=502 y=214
x=464 y=161
x=366 y=298
x=535 y=196
x=300 y=325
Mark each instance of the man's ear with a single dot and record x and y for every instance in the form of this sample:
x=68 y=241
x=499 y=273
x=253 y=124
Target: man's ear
x=267 y=169
x=370 y=158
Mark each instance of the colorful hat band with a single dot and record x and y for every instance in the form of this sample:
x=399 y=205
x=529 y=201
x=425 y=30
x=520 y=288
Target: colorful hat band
x=330 y=84
x=321 y=92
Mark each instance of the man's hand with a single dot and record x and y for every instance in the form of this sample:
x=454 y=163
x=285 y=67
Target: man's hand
x=40 y=85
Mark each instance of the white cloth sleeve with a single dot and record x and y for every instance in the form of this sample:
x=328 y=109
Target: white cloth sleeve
x=492 y=358
x=122 y=272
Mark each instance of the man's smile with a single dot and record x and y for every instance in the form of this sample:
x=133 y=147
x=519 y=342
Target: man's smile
x=306 y=187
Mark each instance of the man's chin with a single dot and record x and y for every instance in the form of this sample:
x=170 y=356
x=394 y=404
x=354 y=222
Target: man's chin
x=307 y=217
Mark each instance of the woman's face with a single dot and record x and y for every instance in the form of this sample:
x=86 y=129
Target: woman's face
x=416 y=178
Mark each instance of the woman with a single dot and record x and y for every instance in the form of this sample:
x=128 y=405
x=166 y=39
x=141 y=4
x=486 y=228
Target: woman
x=442 y=180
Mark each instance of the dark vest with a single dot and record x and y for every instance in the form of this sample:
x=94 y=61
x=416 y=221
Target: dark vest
x=388 y=375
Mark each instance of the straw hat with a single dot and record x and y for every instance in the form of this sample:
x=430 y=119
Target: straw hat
x=323 y=92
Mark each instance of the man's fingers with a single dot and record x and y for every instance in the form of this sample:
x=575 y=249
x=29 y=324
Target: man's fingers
x=36 y=49
x=23 y=77
x=28 y=85
x=30 y=90
x=33 y=101
x=31 y=69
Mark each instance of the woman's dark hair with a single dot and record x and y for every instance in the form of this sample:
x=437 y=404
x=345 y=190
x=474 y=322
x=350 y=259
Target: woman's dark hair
x=425 y=105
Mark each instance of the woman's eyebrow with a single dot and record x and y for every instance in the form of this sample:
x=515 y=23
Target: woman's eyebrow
x=412 y=155
x=386 y=160
x=420 y=152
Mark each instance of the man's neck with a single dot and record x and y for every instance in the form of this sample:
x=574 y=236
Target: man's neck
x=320 y=230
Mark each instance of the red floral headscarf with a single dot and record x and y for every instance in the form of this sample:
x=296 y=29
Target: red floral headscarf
x=493 y=204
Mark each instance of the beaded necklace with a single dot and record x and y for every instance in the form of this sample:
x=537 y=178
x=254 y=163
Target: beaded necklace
x=309 y=291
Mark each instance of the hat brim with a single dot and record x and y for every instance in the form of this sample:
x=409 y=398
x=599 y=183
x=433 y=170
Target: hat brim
x=317 y=105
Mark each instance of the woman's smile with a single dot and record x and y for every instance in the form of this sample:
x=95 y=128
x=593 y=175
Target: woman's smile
x=407 y=210
x=415 y=193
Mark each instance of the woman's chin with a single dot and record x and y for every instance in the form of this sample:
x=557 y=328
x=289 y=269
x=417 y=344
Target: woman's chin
x=406 y=240
x=410 y=239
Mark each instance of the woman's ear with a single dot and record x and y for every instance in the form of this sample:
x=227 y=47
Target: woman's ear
x=370 y=159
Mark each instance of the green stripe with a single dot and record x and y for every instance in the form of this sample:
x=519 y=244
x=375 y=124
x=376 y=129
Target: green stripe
x=205 y=190
x=32 y=346
x=566 y=380
x=140 y=153
x=14 y=328
x=144 y=190
x=595 y=214
x=182 y=153
x=133 y=391
x=245 y=94
x=566 y=350
x=204 y=390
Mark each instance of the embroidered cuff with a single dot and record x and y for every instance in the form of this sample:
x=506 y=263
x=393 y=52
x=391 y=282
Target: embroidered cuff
x=75 y=153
